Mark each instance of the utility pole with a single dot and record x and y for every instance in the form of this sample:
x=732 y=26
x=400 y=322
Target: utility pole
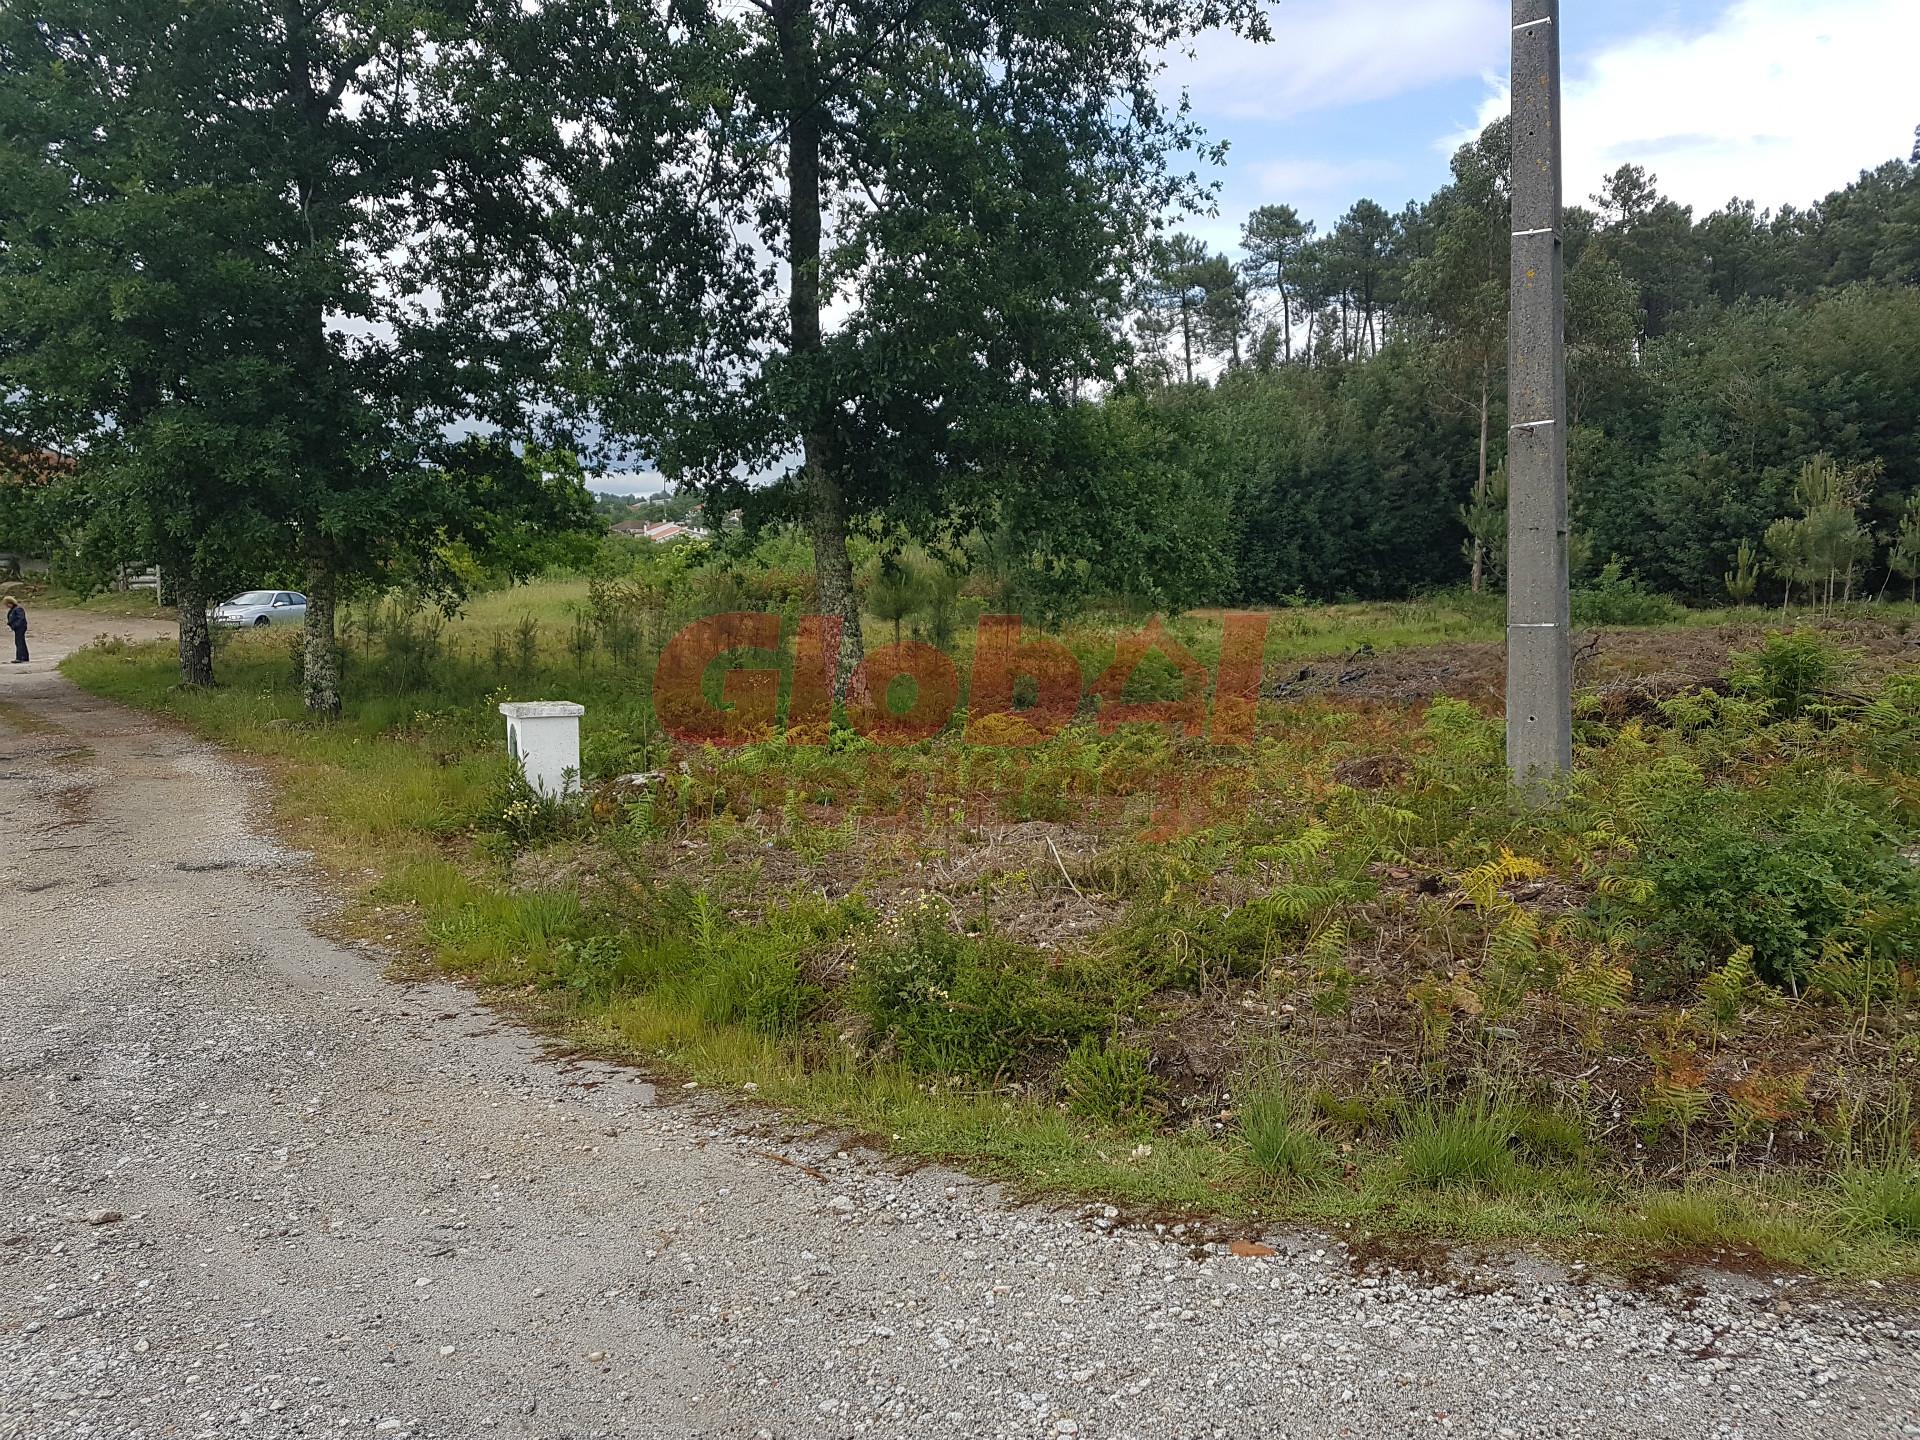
x=1539 y=643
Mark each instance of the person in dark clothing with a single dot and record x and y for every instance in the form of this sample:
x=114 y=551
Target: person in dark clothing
x=17 y=622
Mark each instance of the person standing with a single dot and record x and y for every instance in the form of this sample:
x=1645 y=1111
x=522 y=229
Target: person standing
x=17 y=622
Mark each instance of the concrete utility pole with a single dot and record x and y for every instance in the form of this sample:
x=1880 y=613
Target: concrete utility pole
x=1539 y=643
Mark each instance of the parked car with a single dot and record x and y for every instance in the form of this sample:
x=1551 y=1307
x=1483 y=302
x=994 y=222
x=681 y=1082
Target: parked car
x=262 y=607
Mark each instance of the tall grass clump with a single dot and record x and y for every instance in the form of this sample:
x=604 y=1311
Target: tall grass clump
x=1283 y=1133
x=1880 y=1198
x=1467 y=1142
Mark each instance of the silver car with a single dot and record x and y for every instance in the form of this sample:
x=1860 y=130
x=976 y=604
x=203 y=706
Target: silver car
x=262 y=607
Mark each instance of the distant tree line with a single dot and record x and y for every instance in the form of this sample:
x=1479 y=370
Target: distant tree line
x=1341 y=396
x=343 y=295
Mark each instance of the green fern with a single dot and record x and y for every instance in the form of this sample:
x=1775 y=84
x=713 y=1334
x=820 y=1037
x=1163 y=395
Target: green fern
x=1728 y=992
x=1481 y=885
x=1594 y=989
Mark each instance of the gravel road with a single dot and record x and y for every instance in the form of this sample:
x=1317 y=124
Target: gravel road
x=249 y=1186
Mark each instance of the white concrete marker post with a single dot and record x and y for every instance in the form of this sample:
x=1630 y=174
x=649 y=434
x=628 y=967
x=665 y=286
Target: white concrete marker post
x=543 y=736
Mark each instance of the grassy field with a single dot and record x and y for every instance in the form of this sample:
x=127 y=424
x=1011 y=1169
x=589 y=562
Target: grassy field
x=1335 y=975
x=34 y=592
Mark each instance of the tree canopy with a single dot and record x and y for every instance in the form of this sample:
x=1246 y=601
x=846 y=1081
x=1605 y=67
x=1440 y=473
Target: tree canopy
x=850 y=262
x=215 y=285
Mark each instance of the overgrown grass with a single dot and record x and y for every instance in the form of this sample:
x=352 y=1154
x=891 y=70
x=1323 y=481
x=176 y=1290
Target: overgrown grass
x=1283 y=1133
x=1462 y=1142
x=997 y=956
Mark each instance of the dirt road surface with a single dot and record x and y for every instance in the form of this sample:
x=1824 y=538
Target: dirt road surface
x=250 y=1186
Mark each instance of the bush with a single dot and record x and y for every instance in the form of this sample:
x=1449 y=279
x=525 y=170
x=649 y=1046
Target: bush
x=1108 y=1080
x=1785 y=869
x=957 y=1004
x=1283 y=1134
x=1615 y=597
x=1791 y=670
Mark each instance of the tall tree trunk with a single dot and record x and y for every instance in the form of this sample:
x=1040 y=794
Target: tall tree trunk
x=1286 y=320
x=1480 y=479
x=320 y=668
x=196 y=635
x=827 y=518
x=1186 y=336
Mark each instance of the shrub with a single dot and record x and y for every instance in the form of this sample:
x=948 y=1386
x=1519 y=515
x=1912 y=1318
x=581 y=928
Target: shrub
x=594 y=968
x=1784 y=869
x=1465 y=1143
x=1616 y=597
x=1283 y=1134
x=525 y=818
x=1791 y=670
x=1108 y=1080
x=959 y=1004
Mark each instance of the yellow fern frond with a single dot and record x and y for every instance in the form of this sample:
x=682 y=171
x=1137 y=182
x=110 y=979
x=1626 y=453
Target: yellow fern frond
x=1482 y=883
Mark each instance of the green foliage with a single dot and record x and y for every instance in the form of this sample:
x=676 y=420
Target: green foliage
x=1791 y=670
x=958 y=1004
x=1744 y=578
x=527 y=819
x=1294 y=903
x=1729 y=992
x=1904 y=558
x=1616 y=597
x=1883 y=1198
x=1122 y=515
x=1017 y=200
x=194 y=196
x=1827 y=540
x=1106 y=1080
x=1485 y=517
x=1550 y=1137
x=1283 y=1133
x=753 y=977
x=1787 y=868
x=1467 y=1142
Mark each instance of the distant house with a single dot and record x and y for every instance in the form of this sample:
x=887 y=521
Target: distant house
x=658 y=531
x=24 y=469
x=32 y=467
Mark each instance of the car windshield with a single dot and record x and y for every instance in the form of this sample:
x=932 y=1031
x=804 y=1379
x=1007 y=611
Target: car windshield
x=254 y=597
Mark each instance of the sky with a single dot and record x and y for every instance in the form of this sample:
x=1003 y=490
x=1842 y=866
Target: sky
x=1776 y=101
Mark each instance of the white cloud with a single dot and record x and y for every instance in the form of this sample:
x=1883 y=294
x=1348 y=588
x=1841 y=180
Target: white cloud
x=1331 y=53
x=1778 y=101
x=632 y=482
x=1295 y=180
